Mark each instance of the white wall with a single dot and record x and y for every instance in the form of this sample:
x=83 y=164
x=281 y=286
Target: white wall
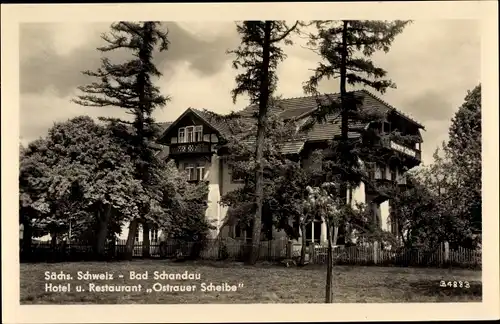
x=358 y=195
x=213 y=210
x=226 y=185
x=124 y=234
x=384 y=216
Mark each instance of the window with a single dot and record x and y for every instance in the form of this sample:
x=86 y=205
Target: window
x=379 y=174
x=137 y=234
x=394 y=174
x=198 y=134
x=236 y=176
x=194 y=172
x=182 y=136
x=154 y=235
x=189 y=134
x=200 y=173
x=190 y=173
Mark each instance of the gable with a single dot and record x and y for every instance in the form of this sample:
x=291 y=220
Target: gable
x=189 y=118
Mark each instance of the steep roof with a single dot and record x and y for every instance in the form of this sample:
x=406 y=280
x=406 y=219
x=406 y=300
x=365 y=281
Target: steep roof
x=298 y=107
x=163 y=126
x=301 y=108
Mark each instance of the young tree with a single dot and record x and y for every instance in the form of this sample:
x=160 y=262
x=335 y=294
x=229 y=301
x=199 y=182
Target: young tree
x=129 y=85
x=258 y=56
x=321 y=201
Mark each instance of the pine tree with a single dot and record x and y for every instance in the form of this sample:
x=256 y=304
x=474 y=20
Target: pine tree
x=345 y=48
x=129 y=85
x=258 y=56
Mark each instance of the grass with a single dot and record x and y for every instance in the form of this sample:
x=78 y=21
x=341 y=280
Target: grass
x=263 y=283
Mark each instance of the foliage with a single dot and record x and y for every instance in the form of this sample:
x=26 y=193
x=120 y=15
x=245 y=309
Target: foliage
x=338 y=43
x=260 y=40
x=284 y=179
x=349 y=44
x=464 y=149
x=257 y=58
x=129 y=85
x=345 y=48
x=186 y=204
x=78 y=171
x=443 y=201
x=454 y=179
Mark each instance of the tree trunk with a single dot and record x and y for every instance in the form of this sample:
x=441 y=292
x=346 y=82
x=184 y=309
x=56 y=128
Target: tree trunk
x=304 y=243
x=347 y=224
x=27 y=238
x=145 y=240
x=344 y=130
x=132 y=229
x=53 y=239
x=102 y=231
x=329 y=269
x=259 y=150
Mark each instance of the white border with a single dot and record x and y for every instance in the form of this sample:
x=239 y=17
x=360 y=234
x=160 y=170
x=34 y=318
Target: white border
x=12 y=15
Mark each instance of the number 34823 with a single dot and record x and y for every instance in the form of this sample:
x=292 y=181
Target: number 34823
x=454 y=284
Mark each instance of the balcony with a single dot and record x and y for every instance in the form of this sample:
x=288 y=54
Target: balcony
x=382 y=184
x=190 y=148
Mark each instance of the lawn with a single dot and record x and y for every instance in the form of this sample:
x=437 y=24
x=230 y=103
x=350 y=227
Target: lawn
x=264 y=283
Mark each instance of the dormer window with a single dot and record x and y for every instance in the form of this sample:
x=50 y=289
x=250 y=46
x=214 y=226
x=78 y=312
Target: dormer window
x=190 y=134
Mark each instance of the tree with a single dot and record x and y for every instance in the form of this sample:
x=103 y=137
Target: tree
x=321 y=201
x=239 y=150
x=432 y=209
x=129 y=85
x=258 y=56
x=78 y=171
x=182 y=209
x=464 y=149
x=346 y=48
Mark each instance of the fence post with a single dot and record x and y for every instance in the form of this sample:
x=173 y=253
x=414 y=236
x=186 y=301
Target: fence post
x=375 y=252
x=446 y=252
x=312 y=252
x=289 y=248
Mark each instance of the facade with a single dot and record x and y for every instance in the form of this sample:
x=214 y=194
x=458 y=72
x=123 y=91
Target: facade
x=192 y=141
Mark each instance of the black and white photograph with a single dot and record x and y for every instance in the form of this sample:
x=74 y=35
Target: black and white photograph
x=230 y=161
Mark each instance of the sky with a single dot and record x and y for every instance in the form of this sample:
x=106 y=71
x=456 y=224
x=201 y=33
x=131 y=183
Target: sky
x=433 y=62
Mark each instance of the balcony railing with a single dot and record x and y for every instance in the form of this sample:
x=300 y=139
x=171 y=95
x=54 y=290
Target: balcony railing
x=190 y=148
